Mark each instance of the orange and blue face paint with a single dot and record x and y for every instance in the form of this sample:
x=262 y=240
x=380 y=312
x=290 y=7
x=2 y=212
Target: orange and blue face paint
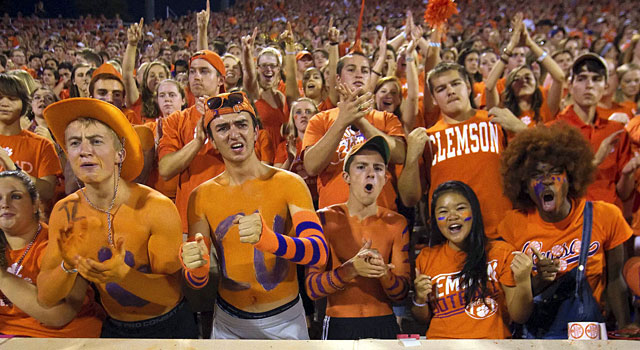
x=466 y=216
x=557 y=181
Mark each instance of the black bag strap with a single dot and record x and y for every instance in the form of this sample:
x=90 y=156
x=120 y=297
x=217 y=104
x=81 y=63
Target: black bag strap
x=587 y=224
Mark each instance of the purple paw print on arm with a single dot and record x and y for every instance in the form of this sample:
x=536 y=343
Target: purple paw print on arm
x=119 y=294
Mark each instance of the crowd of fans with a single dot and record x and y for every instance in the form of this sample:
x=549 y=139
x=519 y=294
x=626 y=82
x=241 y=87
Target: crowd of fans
x=480 y=143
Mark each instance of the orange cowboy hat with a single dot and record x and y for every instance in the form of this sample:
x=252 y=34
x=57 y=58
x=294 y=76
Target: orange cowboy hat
x=58 y=115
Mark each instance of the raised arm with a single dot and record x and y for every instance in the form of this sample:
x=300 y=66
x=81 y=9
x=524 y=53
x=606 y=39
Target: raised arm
x=493 y=99
x=376 y=70
x=409 y=183
x=134 y=35
x=175 y=162
x=334 y=38
x=554 y=97
x=202 y=22
x=410 y=104
x=429 y=108
x=291 y=81
x=249 y=74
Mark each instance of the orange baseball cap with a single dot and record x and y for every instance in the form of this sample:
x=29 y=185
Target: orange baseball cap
x=210 y=57
x=227 y=103
x=300 y=55
x=106 y=69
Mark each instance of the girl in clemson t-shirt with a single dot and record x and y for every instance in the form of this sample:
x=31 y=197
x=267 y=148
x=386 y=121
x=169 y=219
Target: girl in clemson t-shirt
x=469 y=287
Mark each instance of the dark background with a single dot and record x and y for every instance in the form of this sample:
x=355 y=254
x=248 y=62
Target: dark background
x=129 y=10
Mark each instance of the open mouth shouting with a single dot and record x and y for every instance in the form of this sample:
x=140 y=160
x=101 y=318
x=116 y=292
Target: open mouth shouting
x=548 y=200
x=237 y=147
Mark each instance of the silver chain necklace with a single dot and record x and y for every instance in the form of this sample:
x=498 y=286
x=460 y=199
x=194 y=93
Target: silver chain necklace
x=108 y=211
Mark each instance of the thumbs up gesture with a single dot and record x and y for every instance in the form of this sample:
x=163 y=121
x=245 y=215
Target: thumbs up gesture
x=194 y=254
x=249 y=227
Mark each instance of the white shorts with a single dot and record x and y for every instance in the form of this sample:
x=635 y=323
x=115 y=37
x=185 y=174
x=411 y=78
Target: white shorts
x=290 y=324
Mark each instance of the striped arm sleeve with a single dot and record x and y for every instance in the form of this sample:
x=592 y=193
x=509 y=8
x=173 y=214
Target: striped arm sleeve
x=319 y=283
x=307 y=248
x=396 y=287
x=396 y=282
x=199 y=277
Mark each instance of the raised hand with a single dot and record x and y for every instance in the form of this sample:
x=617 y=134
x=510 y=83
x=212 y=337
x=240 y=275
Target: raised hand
x=195 y=254
x=72 y=240
x=505 y=118
x=202 y=18
x=249 y=227
x=287 y=36
x=249 y=40
x=353 y=107
x=423 y=286
x=112 y=270
x=134 y=33
x=416 y=141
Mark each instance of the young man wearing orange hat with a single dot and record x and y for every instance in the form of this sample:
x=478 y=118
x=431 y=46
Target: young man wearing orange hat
x=107 y=85
x=184 y=149
x=113 y=233
x=261 y=221
x=368 y=268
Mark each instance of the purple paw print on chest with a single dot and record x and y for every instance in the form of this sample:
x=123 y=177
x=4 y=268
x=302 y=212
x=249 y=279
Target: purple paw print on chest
x=119 y=294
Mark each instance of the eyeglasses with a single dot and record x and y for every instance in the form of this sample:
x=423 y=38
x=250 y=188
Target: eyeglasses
x=268 y=66
x=230 y=100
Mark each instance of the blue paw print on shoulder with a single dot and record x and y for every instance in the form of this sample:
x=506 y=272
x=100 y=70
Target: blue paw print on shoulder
x=119 y=294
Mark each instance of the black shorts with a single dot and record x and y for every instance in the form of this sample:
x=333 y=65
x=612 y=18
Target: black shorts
x=353 y=328
x=178 y=323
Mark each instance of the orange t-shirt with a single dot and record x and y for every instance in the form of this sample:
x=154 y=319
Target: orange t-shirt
x=452 y=318
x=478 y=92
x=64 y=94
x=528 y=117
x=562 y=239
x=155 y=181
x=633 y=128
x=34 y=154
x=362 y=297
x=610 y=170
x=13 y=321
x=470 y=152
x=272 y=119
x=264 y=148
x=150 y=225
x=178 y=129
x=252 y=279
x=616 y=107
x=325 y=105
x=631 y=106
x=332 y=188
x=500 y=86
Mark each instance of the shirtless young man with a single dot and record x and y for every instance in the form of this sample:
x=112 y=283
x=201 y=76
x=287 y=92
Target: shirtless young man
x=113 y=233
x=261 y=221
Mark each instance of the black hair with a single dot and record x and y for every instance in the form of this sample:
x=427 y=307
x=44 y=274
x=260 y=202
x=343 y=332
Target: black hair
x=56 y=75
x=35 y=55
x=3 y=60
x=477 y=77
x=33 y=193
x=73 y=91
x=473 y=277
x=65 y=65
x=12 y=86
x=589 y=65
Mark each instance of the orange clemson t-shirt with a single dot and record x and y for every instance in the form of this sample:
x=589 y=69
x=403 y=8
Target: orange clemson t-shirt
x=452 y=318
x=332 y=188
x=34 y=154
x=470 y=152
x=563 y=240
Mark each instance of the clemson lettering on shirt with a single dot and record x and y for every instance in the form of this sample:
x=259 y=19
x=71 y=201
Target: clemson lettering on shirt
x=469 y=138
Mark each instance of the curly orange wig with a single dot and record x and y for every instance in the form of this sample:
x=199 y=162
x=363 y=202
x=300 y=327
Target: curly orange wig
x=560 y=145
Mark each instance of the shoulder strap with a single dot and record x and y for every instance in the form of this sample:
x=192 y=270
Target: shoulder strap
x=587 y=224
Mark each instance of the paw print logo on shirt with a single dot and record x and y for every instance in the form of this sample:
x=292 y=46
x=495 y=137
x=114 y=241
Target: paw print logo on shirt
x=8 y=150
x=479 y=310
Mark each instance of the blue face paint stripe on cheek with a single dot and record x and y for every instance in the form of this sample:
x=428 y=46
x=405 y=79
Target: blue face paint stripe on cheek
x=538 y=188
x=467 y=218
x=440 y=218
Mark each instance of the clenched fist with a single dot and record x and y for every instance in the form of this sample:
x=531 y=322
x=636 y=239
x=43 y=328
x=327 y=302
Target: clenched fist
x=249 y=227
